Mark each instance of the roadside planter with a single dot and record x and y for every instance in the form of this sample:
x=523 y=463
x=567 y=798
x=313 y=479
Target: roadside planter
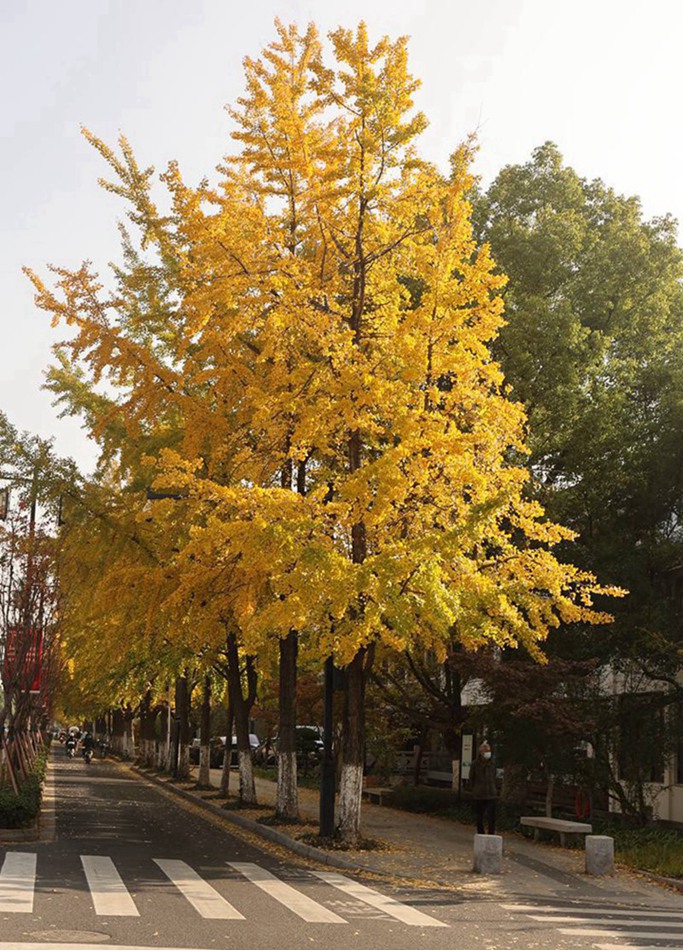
x=22 y=773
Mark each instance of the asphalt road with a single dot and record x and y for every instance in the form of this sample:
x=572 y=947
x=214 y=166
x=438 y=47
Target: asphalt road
x=131 y=867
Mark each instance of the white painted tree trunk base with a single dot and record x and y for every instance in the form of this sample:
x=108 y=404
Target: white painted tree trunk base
x=204 y=762
x=225 y=774
x=148 y=752
x=247 y=787
x=184 y=763
x=350 y=798
x=287 y=794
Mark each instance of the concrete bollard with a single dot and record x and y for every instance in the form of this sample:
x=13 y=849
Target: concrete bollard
x=488 y=854
x=599 y=854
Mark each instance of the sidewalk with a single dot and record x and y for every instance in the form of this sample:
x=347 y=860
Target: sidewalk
x=431 y=851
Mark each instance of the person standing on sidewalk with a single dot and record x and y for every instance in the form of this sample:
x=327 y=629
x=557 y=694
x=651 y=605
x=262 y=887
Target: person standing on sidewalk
x=483 y=788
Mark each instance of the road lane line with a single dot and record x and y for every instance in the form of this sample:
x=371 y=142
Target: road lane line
x=630 y=935
x=624 y=946
x=596 y=911
x=81 y=946
x=110 y=896
x=203 y=897
x=17 y=882
x=402 y=912
x=309 y=910
x=580 y=919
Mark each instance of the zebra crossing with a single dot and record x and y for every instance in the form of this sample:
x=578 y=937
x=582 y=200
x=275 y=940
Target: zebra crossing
x=634 y=928
x=111 y=897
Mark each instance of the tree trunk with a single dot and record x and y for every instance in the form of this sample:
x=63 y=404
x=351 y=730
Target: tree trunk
x=163 y=755
x=204 y=778
x=148 y=716
x=287 y=792
x=550 y=788
x=227 y=759
x=455 y=774
x=117 y=730
x=287 y=802
x=127 y=744
x=353 y=751
x=182 y=710
x=419 y=751
x=241 y=706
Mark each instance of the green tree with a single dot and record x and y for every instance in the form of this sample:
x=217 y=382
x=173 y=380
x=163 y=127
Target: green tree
x=593 y=348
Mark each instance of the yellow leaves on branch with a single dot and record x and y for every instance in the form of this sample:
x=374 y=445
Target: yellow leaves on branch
x=301 y=352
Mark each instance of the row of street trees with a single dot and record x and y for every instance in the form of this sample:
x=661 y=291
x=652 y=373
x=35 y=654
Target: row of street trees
x=306 y=446
x=29 y=600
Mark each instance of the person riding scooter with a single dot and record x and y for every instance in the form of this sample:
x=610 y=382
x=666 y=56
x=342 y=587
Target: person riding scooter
x=70 y=745
x=88 y=744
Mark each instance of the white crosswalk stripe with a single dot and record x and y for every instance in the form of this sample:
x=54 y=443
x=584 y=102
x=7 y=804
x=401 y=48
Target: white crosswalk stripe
x=111 y=898
x=204 y=898
x=609 y=923
x=109 y=894
x=17 y=883
x=626 y=946
x=306 y=908
x=394 y=908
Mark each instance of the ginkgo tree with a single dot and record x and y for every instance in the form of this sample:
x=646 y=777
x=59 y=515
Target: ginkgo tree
x=305 y=345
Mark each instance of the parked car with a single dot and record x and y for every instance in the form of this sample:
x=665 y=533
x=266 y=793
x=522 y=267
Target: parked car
x=216 y=751
x=254 y=745
x=309 y=747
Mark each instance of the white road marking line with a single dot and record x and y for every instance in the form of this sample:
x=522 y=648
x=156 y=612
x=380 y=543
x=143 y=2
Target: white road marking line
x=629 y=946
x=17 y=882
x=532 y=908
x=204 y=898
x=624 y=922
x=109 y=894
x=81 y=946
x=631 y=934
x=309 y=910
x=592 y=920
x=402 y=912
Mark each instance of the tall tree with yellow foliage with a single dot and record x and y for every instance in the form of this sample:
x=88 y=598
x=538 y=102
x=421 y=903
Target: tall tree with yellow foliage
x=308 y=344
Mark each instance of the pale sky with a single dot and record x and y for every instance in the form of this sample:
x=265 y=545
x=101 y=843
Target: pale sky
x=601 y=78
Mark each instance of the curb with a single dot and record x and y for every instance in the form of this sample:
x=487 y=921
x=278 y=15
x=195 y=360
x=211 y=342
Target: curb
x=42 y=828
x=270 y=834
x=311 y=852
x=30 y=834
x=47 y=818
x=673 y=882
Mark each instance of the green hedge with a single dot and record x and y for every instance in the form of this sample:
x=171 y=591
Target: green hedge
x=442 y=801
x=648 y=849
x=18 y=811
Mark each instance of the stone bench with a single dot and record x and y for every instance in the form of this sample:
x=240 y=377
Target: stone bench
x=560 y=825
x=378 y=796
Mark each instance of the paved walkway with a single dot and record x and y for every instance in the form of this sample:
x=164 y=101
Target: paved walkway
x=436 y=851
